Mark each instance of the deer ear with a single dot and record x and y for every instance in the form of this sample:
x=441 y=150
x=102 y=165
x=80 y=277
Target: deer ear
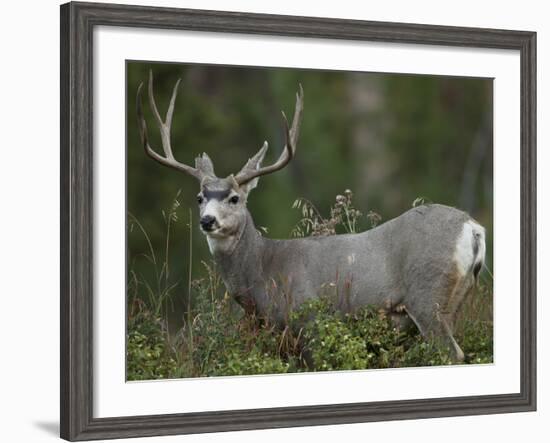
x=205 y=165
x=252 y=164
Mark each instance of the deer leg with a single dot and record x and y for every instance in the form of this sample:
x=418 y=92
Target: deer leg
x=459 y=292
x=458 y=354
x=435 y=318
x=432 y=324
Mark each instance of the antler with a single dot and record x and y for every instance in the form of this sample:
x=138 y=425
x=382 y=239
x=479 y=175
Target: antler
x=164 y=127
x=291 y=138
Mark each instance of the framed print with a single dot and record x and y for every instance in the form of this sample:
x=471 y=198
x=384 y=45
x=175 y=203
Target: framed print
x=273 y=221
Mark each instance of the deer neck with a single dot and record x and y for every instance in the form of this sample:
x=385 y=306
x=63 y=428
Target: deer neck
x=239 y=262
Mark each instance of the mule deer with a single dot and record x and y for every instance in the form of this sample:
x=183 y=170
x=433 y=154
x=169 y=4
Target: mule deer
x=420 y=265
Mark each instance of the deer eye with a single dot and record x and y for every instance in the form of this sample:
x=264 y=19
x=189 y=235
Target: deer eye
x=234 y=199
x=199 y=199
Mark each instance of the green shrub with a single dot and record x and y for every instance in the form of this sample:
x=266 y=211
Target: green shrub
x=328 y=340
x=147 y=354
x=384 y=342
x=425 y=353
x=218 y=339
x=249 y=363
x=364 y=339
x=477 y=343
x=223 y=342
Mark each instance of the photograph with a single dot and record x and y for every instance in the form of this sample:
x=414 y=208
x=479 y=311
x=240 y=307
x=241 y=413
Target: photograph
x=283 y=220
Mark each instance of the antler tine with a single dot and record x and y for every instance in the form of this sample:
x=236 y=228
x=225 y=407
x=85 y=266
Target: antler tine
x=289 y=150
x=164 y=127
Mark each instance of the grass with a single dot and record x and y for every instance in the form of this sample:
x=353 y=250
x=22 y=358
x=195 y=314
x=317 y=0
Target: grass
x=219 y=339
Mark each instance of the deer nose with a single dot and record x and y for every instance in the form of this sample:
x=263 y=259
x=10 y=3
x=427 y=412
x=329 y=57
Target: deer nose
x=207 y=222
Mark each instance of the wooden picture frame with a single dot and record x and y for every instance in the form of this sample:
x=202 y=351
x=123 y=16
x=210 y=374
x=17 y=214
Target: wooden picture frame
x=77 y=23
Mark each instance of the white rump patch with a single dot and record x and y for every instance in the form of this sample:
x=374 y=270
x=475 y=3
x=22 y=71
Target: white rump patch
x=471 y=234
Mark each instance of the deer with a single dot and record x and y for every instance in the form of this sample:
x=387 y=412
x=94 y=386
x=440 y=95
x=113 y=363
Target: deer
x=419 y=266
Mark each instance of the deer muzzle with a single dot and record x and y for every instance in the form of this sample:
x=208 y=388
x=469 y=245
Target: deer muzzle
x=207 y=223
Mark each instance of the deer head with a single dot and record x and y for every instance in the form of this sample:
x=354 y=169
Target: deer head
x=222 y=201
